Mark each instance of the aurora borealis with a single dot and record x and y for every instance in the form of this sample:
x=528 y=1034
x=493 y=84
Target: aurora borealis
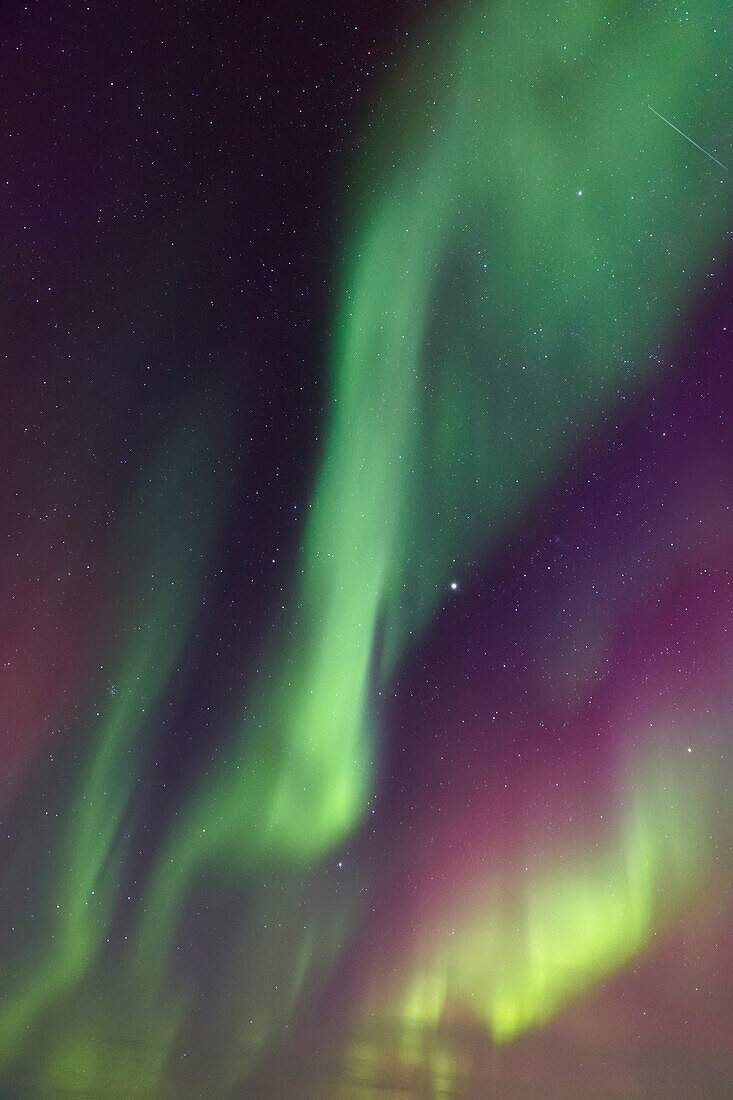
x=366 y=669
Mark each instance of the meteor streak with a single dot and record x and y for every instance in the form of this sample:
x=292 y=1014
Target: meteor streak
x=688 y=138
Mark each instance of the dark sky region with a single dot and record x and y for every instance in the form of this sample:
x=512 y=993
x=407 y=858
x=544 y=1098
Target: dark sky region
x=365 y=666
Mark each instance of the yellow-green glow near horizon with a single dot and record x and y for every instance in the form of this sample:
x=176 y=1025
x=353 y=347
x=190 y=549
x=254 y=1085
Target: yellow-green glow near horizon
x=517 y=948
x=516 y=957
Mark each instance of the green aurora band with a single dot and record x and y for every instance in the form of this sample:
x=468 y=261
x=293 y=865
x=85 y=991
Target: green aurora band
x=165 y=543
x=488 y=311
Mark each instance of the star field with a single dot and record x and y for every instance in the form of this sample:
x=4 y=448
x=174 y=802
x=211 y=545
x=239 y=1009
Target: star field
x=365 y=670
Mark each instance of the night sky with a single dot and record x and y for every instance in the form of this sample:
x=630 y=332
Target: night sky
x=366 y=452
